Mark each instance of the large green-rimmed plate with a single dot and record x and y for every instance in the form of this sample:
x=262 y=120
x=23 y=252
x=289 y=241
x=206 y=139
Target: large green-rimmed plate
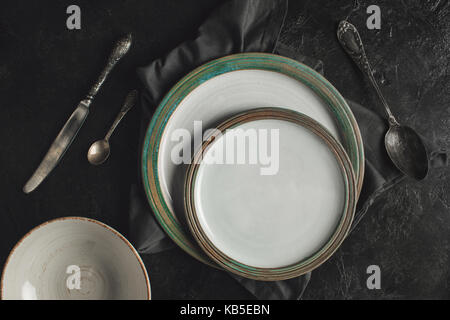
x=218 y=90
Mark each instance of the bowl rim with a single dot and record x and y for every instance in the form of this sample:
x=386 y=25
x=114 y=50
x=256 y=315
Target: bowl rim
x=74 y=218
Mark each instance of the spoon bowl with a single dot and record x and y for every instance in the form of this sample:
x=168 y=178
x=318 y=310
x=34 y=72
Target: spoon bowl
x=99 y=152
x=406 y=149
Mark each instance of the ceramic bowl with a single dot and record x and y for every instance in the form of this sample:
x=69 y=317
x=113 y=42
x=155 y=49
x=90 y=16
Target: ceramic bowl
x=74 y=259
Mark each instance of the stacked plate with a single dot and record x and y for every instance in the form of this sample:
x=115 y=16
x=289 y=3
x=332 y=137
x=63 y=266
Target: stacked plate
x=253 y=163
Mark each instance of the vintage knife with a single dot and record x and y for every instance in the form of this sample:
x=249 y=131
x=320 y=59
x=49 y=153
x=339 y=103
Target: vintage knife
x=76 y=120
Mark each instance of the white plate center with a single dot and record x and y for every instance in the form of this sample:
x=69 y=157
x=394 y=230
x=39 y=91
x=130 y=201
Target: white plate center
x=271 y=220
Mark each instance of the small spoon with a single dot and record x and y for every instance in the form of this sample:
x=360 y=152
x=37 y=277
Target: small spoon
x=403 y=144
x=100 y=150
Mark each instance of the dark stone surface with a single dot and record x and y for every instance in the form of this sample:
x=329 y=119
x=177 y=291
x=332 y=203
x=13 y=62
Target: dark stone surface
x=46 y=69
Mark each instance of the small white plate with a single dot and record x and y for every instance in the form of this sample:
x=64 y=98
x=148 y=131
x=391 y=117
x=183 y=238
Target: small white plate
x=280 y=209
x=74 y=259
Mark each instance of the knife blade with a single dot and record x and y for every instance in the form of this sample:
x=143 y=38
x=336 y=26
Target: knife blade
x=76 y=120
x=59 y=146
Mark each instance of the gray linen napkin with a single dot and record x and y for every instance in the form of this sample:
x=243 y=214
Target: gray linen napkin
x=249 y=26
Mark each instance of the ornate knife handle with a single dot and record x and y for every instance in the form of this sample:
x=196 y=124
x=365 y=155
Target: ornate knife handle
x=350 y=40
x=120 y=49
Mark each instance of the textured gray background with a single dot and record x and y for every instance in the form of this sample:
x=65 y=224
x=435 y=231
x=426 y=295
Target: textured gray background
x=45 y=69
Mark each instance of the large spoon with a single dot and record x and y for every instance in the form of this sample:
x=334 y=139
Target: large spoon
x=100 y=150
x=403 y=144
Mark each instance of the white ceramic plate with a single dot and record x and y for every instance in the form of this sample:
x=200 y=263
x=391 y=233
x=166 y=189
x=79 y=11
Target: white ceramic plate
x=221 y=89
x=48 y=262
x=224 y=96
x=283 y=208
x=272 y=221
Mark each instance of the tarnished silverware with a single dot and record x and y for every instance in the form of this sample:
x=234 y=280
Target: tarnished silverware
x=100 y=150
x=403 y=144
x=76 y=120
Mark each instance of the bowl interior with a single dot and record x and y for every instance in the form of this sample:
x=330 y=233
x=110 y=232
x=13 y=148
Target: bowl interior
x=74 y=258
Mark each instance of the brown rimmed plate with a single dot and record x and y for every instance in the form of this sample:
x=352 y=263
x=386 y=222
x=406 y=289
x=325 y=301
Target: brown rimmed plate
x=270 y=220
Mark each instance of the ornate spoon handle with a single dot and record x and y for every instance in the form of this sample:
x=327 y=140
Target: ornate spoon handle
x=129 y=102
x=120 y=49
x=350 y=40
